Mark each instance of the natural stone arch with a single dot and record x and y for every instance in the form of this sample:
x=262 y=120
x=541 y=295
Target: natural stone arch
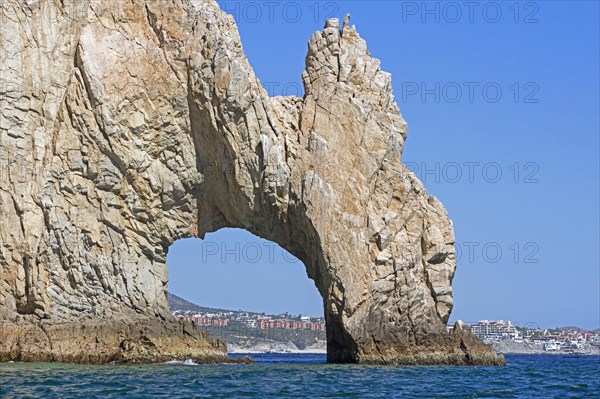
x=155 y=129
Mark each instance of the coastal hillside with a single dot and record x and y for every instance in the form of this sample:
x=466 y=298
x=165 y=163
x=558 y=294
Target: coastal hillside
x=182 y=305
x=252 y=332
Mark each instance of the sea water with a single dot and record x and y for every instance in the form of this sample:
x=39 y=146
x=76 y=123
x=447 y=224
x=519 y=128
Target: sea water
x=305 y=376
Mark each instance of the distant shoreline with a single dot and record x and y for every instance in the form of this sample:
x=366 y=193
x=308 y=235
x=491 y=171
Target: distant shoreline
x=508 y=347
x=299 y=352
x=554 y=354
x=264 y=346
x=260 y=352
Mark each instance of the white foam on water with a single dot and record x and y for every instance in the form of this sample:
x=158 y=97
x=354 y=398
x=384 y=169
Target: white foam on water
x=187 y=362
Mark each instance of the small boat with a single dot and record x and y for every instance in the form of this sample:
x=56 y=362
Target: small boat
x=271 y=349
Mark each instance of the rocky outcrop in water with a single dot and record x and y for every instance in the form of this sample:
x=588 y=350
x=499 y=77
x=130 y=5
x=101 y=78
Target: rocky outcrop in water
x=124 y=128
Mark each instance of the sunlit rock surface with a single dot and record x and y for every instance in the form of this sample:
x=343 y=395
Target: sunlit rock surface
x=125 y=126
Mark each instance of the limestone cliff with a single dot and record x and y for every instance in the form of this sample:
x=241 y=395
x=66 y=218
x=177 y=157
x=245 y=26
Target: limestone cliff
x=125 y=126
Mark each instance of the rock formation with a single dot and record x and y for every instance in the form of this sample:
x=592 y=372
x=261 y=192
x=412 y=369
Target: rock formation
x=125 y=126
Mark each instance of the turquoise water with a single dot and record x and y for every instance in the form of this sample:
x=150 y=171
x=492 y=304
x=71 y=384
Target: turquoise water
x=294 y=376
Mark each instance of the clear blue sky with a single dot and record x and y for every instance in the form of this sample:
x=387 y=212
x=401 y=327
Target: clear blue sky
x=518 y=172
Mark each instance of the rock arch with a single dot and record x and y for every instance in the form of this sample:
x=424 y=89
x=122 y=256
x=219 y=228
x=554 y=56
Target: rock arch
x=125 y=128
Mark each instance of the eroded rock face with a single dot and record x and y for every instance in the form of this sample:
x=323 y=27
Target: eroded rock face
x=124 y=128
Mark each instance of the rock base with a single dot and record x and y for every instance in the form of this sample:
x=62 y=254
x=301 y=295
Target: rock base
x=459 y=347
x=148 y=340
x=140 y=340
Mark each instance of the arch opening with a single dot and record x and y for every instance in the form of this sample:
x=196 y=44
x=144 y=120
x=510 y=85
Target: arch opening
x=246 y=291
